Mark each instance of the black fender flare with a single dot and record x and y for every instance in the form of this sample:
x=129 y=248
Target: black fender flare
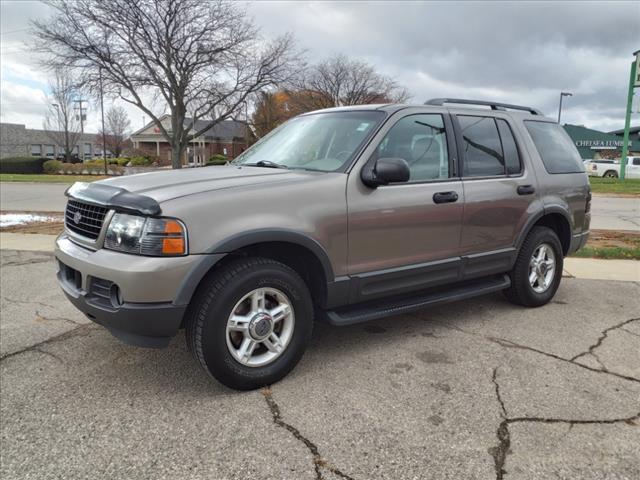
x=244 y=239
x=546 y=210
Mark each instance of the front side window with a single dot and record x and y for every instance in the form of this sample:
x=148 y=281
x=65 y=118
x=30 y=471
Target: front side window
x=558 y=153
x=323 y=142
x=421 y=141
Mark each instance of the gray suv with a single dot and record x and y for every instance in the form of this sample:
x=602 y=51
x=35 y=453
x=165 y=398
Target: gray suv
x=341 y=215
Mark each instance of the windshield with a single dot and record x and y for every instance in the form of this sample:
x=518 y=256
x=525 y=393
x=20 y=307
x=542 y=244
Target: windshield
x=322 y=141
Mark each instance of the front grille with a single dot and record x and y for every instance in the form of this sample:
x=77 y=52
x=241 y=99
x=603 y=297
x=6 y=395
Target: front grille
x=84 y=219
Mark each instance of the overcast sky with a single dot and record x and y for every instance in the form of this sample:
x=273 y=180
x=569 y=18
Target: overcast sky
x=516 y=52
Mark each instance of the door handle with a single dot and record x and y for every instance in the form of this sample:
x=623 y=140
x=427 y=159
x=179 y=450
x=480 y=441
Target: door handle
x=445 y=197
x=526 y=189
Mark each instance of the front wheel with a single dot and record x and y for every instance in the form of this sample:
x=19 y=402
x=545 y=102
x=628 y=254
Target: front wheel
x=537 y=272
x=250 y=322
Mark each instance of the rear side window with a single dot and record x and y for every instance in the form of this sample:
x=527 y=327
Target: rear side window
x=554 y=146
x=509 y=148
x=482 y=147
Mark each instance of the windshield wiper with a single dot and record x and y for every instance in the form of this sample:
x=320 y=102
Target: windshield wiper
x=266 y=164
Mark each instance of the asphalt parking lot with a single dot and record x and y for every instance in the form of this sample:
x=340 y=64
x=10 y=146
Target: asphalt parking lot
x=474 y=390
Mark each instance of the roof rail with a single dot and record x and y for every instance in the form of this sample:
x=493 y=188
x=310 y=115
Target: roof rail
x=493 y=105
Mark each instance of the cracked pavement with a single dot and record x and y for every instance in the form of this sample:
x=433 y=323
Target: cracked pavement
x=477 y=389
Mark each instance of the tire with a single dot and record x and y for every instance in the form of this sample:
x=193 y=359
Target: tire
x=218 y=348
x=610 y=174
x=521 y=291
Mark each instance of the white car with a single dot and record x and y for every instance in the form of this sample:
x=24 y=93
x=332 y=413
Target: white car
x=611 y=168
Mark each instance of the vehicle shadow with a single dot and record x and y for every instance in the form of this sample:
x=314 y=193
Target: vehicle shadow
x=174 y=368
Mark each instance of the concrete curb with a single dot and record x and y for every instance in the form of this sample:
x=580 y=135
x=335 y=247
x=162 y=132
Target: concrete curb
x=588 y=268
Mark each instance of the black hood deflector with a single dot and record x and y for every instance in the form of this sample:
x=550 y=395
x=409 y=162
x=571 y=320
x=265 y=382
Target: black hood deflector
x=115 y=197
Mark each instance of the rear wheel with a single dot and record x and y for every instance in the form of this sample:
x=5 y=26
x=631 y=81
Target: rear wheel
x=610 y=174
x=250 y=322
x=537 y=272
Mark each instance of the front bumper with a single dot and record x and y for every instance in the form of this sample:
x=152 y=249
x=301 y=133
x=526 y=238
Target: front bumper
x=144 y=311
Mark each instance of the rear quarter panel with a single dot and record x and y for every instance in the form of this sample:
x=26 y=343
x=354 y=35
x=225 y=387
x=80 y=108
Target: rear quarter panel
x=565 y=191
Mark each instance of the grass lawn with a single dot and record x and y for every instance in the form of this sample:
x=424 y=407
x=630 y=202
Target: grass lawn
x=611 y=244
x=629 y=187
x=42 y=178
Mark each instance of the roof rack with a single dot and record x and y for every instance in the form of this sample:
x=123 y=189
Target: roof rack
x=493 y=105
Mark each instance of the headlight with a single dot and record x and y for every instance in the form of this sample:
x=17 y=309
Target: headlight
x=155 y=237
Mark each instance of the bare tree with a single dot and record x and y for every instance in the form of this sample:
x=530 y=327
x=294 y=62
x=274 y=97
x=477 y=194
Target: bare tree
x=61 y=124
x=199 y=60
x=340 y=81
x=116 y=128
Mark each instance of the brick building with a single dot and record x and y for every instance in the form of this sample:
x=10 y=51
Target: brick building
x=17 y=140
x=227 y=138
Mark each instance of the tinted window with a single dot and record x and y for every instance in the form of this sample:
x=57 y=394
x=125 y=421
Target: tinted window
x=636 y=160
x=482 y=148
x=554 y=146
x=509 y=149
x=421 y=141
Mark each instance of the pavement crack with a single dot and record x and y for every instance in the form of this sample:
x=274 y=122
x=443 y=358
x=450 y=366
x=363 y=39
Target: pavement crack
x=503 y=342
x=79 y=330
x=319 y=463
x=26 y=302
x=602 y=338
x=25 y=262
x=497 y=387
x=630 y=332
x=500 y=451
x=41 y=317
x=509 y=344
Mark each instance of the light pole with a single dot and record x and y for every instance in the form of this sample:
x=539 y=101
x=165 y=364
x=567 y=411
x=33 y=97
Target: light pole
x=562 y=94
x=634 y=82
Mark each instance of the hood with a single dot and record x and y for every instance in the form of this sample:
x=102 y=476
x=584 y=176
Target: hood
x=169 y=184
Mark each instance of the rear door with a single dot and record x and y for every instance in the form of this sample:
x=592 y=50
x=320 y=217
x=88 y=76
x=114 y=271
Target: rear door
x=499 y=188
x=405 y=236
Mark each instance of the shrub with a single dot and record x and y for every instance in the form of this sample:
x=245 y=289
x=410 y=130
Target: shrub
x=22 y=164
x=141 y=161
x=217 y=159
x=52 y=166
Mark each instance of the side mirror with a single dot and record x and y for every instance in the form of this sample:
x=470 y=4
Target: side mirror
x=386 y=171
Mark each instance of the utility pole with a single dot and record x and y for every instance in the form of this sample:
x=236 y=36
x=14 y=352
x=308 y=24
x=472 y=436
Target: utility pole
x=80 y=101
x=634 y=81
x=562 y=94
x=104 y=141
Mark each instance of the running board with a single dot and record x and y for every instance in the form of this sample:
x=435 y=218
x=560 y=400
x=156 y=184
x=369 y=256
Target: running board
x=384 y=308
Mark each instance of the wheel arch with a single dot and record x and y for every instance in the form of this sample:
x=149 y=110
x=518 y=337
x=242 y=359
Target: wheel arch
x=555 y=218
x=300 y=252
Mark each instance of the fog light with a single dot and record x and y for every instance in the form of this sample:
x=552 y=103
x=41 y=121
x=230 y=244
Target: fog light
x=116 y=295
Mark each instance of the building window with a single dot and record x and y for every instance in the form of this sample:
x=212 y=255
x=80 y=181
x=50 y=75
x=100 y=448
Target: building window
x=87 y=150
x=50 y=151
x=36 y=150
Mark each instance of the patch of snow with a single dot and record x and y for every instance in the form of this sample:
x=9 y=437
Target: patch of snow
x=11 y=219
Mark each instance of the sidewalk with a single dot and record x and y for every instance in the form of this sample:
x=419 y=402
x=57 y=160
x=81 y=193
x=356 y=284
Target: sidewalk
x=589 y=268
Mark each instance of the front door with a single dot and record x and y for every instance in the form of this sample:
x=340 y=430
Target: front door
x=405 y=236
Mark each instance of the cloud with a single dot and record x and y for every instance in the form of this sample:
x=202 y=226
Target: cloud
x=517 y=52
